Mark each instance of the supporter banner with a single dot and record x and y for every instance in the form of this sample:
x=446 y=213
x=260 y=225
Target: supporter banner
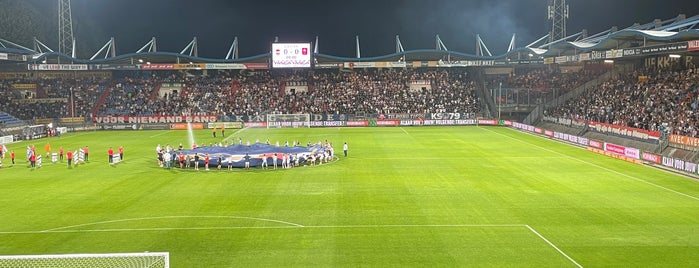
x=549 y=60
x=584 y=57
x=158 y=66
x=72 y=120
x=636 y=133
x=57 y=67
x=107 y=67
x=361 y=123
x=3 y=56
x=193 y=66
x=329 y=117
x=632 y=52
x=684 y=140
x=665 y=48
x=561 y=59
x=651 y=157
x=225 y=66
x=456 y=116
x=154 y=119
x=185 y=126
x=247 y=118
x=693 y=45
x=405 y=116
x=488 y=122
x=614 y=53
x=597 y=55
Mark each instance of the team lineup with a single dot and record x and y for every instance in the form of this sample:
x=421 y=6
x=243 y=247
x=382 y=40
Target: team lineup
x=240 y=154
x=221 y=155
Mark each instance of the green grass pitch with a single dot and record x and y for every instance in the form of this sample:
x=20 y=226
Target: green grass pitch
x=418 y=196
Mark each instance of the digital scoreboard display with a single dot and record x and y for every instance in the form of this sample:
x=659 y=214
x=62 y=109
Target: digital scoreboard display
x=291 y=55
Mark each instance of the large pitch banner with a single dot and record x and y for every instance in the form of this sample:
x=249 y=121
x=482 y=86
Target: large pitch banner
x=154 y=119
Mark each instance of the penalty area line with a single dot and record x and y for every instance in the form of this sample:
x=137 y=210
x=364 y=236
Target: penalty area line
x=553 y=245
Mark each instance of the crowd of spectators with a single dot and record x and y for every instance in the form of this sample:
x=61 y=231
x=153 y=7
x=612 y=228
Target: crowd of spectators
x=536 y=85
x=325 y=92
x=658 y=100
x=223 y=93
x=50 y=98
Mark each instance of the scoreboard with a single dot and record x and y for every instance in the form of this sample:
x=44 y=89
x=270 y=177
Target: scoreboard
x=291 y=55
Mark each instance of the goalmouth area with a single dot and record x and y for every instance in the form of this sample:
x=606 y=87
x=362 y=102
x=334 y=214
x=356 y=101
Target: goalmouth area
x=470 y=196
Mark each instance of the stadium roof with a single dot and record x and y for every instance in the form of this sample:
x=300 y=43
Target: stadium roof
x=675 y=29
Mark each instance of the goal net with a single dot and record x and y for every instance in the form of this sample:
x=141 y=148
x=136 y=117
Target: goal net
x=112 y=260
x=288 y=120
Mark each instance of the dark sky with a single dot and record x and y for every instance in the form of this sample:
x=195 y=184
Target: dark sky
x=257 y=22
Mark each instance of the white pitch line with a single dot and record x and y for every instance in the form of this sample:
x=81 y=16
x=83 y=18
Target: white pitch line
x=598 y=166
x=552 y=245
x=289 y=226
x=401 y=128
x=170 y=217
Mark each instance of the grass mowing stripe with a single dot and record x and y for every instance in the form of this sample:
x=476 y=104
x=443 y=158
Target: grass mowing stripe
x=600 y=167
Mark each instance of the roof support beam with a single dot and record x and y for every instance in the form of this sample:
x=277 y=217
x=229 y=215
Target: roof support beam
x=233 y=51
x=2 y=41
x=38 y=45
x=315 y=46
x=108 y=50
x=192 y=46
x=151 y=45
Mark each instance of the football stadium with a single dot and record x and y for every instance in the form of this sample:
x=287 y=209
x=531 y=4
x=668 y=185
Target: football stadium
x=577 y=150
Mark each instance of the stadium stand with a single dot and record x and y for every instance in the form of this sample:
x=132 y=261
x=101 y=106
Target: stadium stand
x=657 y=100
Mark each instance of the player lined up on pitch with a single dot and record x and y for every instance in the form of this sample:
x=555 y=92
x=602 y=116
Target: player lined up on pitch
x=73 y=158
x=245 y=155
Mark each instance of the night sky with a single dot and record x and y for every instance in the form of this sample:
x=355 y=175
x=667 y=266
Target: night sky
x=257 y=22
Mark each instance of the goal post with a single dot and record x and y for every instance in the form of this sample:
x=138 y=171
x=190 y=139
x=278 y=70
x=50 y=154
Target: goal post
x=288 y=120
x=105 y=260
